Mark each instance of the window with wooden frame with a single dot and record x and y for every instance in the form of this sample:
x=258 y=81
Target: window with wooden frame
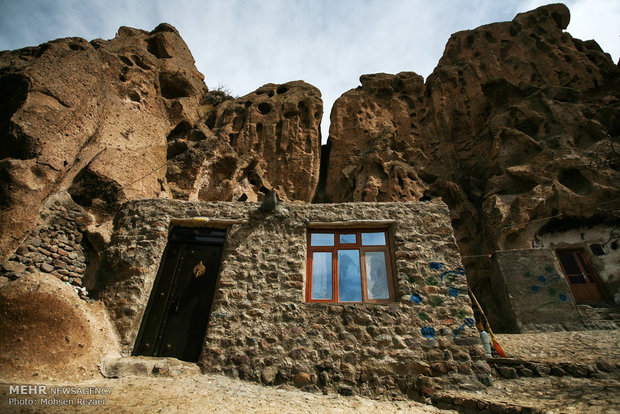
x=349 y=265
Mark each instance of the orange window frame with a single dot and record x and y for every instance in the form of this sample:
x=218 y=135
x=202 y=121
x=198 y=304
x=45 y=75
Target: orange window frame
x=349 y=246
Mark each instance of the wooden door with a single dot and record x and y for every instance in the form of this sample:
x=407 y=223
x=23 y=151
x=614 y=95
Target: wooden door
x=177 y=314
x=581 y=279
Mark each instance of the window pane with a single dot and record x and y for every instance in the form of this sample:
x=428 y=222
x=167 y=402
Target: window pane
x=347 y=238
x=376 y=276
x=582 y=261
x=349 y=278
x=597 y=249
x=322 y=239
x=577 y=280
x=570 y=265
x=321 y=275
x=373 y=239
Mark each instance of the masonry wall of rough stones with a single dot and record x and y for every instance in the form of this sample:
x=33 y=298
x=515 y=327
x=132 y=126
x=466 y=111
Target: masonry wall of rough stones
x=534 y=293
x=262 y=330
x=57 y=246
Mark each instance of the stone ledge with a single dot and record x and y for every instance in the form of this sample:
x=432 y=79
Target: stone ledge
x=479 y=405
x=511 y=368
x=159 y=367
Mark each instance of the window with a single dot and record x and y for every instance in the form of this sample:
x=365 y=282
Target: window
x=349 y=266
x=597 y=249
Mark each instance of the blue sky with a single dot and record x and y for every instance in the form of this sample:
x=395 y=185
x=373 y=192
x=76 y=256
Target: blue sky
x=243 y=44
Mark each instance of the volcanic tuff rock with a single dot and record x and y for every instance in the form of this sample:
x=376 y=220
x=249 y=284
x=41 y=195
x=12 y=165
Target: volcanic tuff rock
x=278 y=127
x=110 y=121
x=517 y=122
x=50 y=334
x=268 y=140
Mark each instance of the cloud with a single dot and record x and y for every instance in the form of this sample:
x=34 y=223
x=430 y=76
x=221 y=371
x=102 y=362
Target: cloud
x=244 y=44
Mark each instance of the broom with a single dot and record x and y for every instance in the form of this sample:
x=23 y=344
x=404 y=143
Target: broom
x=487 y=326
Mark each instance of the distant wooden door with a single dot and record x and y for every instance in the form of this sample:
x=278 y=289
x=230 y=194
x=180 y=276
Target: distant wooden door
x=177 y=314
x=581 y=279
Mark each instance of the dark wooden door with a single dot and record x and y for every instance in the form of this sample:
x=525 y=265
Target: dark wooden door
x=177 y=314
x=581 y=279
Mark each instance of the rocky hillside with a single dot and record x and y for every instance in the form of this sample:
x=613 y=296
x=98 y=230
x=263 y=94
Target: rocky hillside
x=518 y=123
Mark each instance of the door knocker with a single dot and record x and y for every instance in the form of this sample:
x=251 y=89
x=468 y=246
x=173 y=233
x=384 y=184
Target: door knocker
x=199 y=270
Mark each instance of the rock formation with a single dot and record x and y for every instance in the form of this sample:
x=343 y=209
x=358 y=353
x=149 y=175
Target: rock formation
x=268 y=140
x=49 y=334
x=517 y=123
x=111 y=121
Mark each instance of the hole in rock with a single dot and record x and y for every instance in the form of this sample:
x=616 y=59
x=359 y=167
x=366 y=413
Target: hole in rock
x=96 y=192
x=175 y=148
x=76 y=46
x=179 y=131
x=13 y=89
x=134 y=96
x=282 y=89
x=174 y=85
x=126 y=60
x=264 y=108
x=156 y=47
x=384 y=93
x=573 y=179
x=15 y=144
x=140 y=62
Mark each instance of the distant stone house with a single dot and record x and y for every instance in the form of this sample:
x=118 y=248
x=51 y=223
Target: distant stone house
x=570 y=280
x=365 y=298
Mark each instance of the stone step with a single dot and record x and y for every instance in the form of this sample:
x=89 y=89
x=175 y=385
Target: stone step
x=602 y=312
x=479 y=405
x=149 y=366
x=600 y=317
x=511 y=368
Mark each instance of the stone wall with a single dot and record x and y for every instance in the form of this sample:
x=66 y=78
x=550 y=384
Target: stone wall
x=57 y=246
x=262 y=330
x=534 y=293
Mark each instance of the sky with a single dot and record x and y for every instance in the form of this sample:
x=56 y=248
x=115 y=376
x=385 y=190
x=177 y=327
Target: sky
x=240 y=45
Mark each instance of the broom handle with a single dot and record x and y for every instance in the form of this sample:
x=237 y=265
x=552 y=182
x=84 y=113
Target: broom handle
x=486 y=321
x=496 y=344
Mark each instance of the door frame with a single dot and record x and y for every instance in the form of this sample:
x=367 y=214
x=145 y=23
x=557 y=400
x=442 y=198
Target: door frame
x=159 y=277
x=586 y=269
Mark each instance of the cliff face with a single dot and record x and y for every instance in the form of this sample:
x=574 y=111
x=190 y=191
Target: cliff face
x=111 y=121
x=517 y=123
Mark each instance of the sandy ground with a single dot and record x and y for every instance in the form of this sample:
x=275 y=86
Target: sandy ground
x=205 y=394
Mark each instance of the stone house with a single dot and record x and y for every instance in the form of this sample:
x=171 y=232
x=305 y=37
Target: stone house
x=570 y=280
x=364 y=298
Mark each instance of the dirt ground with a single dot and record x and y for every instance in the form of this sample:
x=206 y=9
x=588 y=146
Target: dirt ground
x=204 y=394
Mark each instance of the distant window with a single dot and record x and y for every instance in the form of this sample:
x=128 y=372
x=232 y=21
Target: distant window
x=597 y=249
x=349 y=266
